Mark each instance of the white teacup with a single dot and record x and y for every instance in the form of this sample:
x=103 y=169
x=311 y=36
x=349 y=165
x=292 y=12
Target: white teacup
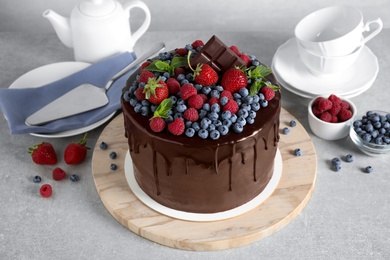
x=335 y=31
x=320 y=65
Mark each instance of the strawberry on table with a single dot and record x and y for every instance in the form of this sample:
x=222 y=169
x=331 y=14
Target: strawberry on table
x=43 y=153
x=75 y=153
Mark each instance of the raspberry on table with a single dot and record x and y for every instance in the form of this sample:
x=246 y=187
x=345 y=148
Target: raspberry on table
x=46 y=190
x=58 y=174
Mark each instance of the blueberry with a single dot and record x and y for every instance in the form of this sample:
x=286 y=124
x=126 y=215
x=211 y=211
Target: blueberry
x=184 y=81
x=37 y=179
x=180 y=77
x=206 y=90
x=293 y=123
x=255 y=63
x=215 y=108
x=213 y=116
x=113 y=166
x=203 y=133
x=246 y=107
x=190 y=132
x=137 y=108
x=255 y=106
x=263 y=103
x=336 y=168
x=223 y=129
x=103 y=146
x=113 y=155
x=227 y=122
x=127 y=95
x=286 y=130
x=226 y=114
x=250 y=120
x=237 y=96
x=202 y=113
x=368 y=169
x=145 y=110
x=214 y=94
x=336 y=161
x=367 y=137
x=219 y=88
x=133 y=102
x=214 y=134
x=181 y=108
x=74 y=177
x=198 y=87
x=233 y=118
x=238 y=128
x=224 y=101
x=243 y=92
x=248 y=100
x=195 y=126
x=349 y=158
x=211 y=127
x=217 y=123
x=241 y=121
x=206 y=106
x=243 y=113
x=252 y=114
x=298 y=152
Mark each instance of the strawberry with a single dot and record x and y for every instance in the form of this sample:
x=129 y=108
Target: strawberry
x=233 y=80
x=173 y=86
x=177 y=127
x=139 y=94
x=75 y=153
x=245 y=58
x=205 y=75
x=58 y=174
x=196 y=101
x=196 y=44
x=43 y=153
x=191 y=114
x=231 y=106
x=145 y=76
x=156 y=90
x=157 y=124
x=187 y=90
x=268 y=93
x=45 y=190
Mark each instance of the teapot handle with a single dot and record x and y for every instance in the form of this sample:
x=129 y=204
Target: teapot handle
x=145 y=25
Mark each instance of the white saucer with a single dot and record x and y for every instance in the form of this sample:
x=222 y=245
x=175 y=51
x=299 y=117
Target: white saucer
x=47 y=74
x=142 y=196
x=290 y=69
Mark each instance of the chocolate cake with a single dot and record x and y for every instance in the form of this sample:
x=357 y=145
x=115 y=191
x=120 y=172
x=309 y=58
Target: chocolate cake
x=204 y=174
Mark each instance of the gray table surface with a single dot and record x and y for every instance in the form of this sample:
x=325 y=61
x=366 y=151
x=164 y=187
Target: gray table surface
x=348 y=216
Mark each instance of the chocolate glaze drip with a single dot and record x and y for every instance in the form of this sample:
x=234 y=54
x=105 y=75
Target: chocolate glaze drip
x=203 y=176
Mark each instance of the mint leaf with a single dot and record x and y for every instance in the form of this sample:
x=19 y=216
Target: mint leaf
x=255 y=87
x=178 y=62
x=162 y=65
x=163 y=108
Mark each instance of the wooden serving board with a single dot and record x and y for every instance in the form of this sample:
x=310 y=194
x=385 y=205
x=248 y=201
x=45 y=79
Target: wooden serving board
x=287 y=201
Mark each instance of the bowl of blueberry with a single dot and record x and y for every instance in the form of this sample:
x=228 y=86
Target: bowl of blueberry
x=371 y=132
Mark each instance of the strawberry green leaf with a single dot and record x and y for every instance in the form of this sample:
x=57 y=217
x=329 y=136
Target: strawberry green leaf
x=163 y=108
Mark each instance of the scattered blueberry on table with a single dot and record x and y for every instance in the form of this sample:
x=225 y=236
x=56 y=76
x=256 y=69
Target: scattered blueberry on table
x=286 y=131
x=103 y=146
x=368 y=169
x=113 y=155
x=293 y=123
x=74 y=177
x=349 y=158
x=298 y=152
x=37 y=179
x=113 y=166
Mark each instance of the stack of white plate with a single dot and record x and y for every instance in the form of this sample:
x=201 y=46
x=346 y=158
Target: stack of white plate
x=293 y=76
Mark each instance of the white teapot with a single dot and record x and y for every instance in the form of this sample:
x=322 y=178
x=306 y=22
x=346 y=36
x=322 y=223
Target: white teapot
x=97 y=29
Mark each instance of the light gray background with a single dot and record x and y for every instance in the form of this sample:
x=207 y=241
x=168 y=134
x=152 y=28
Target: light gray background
x=176 y=15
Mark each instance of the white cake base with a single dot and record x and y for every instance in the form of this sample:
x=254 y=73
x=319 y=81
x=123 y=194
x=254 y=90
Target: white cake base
x=142 y=196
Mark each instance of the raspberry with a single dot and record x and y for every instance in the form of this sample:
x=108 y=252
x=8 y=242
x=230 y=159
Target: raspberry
x=344 y=115
x=326 y=116
x=316 y=111
x=191 y=114
x=157 y=124
x=179 y=71
x=268 y=93
x=324 y=104
x=45 y=190
x=139 y=94
x=204 y=97
x=181 y=52
x=317 y=100
x=231 y=106
x=334 y=119
x=213 y=100
x=226 y=93
x=235 y=49
x=196 y=44
x=345 y=105
x=334 y=99
x=196 y=101
x=145 y=76
x=58 y=174
x=173 y=86
x=145 y=64
x=245 y=58
x=177 y=127
x=336 y=107
x=187 y=90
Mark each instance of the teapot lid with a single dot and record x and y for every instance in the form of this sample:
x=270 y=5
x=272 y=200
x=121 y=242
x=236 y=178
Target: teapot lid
x=97 y=7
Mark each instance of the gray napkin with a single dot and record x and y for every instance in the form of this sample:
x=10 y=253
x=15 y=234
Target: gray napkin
x=18 y=104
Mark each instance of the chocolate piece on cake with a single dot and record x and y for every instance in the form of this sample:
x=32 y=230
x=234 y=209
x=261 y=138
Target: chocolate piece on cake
x=216 y=54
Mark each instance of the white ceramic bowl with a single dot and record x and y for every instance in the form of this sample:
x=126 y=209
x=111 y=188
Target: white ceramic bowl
x=327 y=65
x=330 y=131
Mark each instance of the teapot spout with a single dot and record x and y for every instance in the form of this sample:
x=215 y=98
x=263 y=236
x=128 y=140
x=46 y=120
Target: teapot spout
x=61 y=26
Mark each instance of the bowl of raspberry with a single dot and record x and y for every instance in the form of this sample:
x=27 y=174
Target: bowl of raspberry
x=370 y=132
x=331 y=117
